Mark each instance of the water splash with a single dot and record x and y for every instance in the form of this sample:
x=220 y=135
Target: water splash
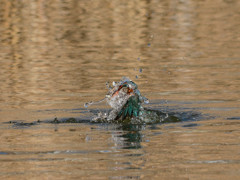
x=86 y=105
x=118 y=97
x=146 y=101
x=108 y=86
x=127 y=106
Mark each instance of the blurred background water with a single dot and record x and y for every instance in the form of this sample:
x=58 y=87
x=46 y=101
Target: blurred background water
x=56 y=55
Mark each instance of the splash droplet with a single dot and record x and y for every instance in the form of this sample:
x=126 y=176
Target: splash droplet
x=136 y=76
x=149 y=44
x=146 y=101
x=108 y=85
x=138 y=59
x=140 y=70
x=86 y=105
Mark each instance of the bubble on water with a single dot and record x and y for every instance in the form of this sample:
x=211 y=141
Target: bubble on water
x=140 y=70
x=149 y=44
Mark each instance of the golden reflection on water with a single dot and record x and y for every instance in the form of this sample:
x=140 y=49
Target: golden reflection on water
x=59 y=54
x=63 y=52
x=97 y=152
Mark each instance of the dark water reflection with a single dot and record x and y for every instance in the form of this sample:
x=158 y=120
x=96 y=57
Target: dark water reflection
x=55 y=56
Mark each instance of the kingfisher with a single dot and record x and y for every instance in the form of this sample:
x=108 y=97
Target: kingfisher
x=125 y=99
x=127 y=106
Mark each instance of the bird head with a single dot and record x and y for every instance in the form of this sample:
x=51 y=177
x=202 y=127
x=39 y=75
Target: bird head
x=125 y=98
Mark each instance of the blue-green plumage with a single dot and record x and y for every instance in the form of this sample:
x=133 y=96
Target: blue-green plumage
x=131 y=108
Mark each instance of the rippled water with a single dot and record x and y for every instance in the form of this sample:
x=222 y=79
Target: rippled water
x=55 y=56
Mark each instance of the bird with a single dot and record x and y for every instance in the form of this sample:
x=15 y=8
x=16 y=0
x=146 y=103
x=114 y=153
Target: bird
x=125 y=99
x=127 y=102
